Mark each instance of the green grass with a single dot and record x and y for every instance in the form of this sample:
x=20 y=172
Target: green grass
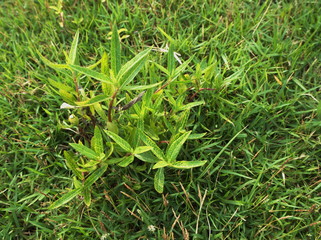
x=262 y=121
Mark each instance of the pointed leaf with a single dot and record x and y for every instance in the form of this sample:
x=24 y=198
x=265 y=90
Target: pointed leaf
x=187 y=164
x=159 y=180
x=126 y=161
x=190 y=105
x=147 y=157
x=160 y=164
x=60 y=85
x=92 y=101
x=120 y=141
x=155 y=149
x=142 y=149
x=131 y=68
x=73 y=49
x=65 y=198
x=86 y=151
x=91 y=73
x=51 y=64
x=72 y=165
x=140 y=87
x=98 y=141
x=175 y=147
x=87 y=196
x=94 y=176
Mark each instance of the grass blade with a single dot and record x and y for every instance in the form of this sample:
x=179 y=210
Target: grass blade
x=115 y=51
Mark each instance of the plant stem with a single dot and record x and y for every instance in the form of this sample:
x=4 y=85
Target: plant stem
x=111 y=105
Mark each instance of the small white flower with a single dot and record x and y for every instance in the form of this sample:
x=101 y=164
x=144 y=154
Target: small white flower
x=151 y=228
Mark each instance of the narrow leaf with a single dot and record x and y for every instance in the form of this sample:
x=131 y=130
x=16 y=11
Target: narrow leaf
x=159 y=180
x=131 y=68
x=60 y=85
x=73 y=49
x=91 y=73
x=51 y=64
x=92 y=101
x=147 y=157
x=175 y=147
x=120 y=141
x=142 y=149
x=190 y=105
x=155 y=149
x=187 y=164
x=98 y=141
x=87 y=196
x=72 y=165
x=86 y=151
x=115 y=51
x=140 y=87
x=65 y=198
x=126 y=161
x=160 y=164
x=94 y=176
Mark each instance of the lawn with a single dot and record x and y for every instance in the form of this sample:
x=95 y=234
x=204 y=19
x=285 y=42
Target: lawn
x=195 y=120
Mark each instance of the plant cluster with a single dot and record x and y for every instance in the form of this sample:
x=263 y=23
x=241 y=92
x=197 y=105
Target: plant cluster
x=114 y=125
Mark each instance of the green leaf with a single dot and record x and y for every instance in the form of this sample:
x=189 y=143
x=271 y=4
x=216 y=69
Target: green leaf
x=181 y=68
x=190 y=105
x=92 y=101
x=86 y=151
x=160 y=164
x=160 y=67
x=73 y=49
x=60 y=85
x=120 y=141
x=65 y=198
x=131 y=68
x=115 y=51
x=175 y=147
x=91 y=73
x=66 y=96
x=98 y=141
x=94 y=176
x=51 y=64
x=114 y=160
x=126 y=161
x=142 y=149
x=140 y=87
x=196 y=135
x=87 y=196
x=187 y=164
x=72 y=165
x=159 y=180
x=155 y=149
x=147 y=157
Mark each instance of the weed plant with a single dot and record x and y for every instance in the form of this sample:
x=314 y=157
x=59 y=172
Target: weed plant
x=232 y=83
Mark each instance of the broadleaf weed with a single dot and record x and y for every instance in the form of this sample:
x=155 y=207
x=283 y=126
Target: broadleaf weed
x=113 y=132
